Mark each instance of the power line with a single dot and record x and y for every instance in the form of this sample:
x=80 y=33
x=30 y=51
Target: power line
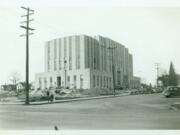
x=51 y=30
x=48 y=28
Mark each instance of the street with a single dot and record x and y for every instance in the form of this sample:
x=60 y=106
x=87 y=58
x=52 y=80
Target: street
x=149 y=111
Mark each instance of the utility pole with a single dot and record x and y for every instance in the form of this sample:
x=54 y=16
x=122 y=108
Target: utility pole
x=113 y=66
x=157 y=68
x=27 y=28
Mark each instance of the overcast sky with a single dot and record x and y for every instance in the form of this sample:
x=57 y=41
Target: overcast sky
x=150 y=30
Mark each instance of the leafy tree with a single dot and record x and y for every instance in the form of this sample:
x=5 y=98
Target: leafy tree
x=164 y=79
x=172 y=76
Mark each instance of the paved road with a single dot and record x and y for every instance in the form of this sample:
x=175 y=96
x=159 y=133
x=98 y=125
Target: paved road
x=128 y=112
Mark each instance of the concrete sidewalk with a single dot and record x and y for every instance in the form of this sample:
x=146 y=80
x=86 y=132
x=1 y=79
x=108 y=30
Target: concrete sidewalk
x=175 y=106
x=63 y=100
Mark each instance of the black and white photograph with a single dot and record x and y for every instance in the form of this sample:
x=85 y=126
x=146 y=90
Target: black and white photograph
x=89 y=65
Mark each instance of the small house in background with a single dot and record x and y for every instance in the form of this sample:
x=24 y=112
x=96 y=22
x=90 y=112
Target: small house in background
x=22 y=86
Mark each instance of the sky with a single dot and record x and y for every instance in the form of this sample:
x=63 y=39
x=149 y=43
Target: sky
x=150 y=29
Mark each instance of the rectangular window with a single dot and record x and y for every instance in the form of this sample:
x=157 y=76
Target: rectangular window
x=94 y=81
x=95 y=55
x=51 y=81
x=68 y=81
x=92 y=53
x=110 y=81
x=81 y=81
x=104 y=81
x=102 y=58
x=65 y=48
x=88 y=52
x=75 y=81
x=105 y=60
x=55 y=55
x=48 y=61
x=77 y=52
x=45 y=83
x=60 y=54
x=70 y=53
x=119 y=77
x=97 y=80
x=101 y=82
x=107 y=81
x=40 y=83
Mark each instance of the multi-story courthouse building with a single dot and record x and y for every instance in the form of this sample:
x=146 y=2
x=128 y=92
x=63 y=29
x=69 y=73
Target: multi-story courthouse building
x=85 y=62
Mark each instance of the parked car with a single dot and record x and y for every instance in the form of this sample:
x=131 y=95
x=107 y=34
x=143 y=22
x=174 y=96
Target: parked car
x=172 y=91
x=158 y=90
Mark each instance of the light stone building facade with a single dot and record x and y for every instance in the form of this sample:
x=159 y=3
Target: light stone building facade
x=85 y=62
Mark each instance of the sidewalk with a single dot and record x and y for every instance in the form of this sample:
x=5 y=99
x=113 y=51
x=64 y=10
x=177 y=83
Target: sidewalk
x=175 y=106
x=62 y=101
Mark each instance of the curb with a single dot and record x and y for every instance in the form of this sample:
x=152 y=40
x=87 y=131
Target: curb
x=62 y=101
x=175 y=106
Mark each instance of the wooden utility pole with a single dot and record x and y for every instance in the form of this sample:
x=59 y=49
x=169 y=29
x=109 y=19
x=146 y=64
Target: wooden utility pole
x=27 y=28
x=157 y=68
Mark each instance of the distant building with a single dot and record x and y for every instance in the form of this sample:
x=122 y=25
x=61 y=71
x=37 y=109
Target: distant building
x=8 y=87
x=22 y=86
x=85 y=62
x=136 y=82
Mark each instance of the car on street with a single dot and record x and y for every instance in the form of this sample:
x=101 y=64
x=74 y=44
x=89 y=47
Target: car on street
x=172 y=91
x=158 y=90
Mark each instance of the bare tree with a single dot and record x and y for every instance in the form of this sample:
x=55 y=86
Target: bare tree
x=15 y=77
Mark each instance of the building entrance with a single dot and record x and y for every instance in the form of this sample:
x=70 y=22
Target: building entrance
x=58 y=81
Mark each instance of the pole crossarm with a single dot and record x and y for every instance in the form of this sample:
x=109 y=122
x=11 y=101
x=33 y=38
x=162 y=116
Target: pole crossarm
x=26 y=21
x=23 y=35
x=27 y=8
x=27 y=15
x=27 y=28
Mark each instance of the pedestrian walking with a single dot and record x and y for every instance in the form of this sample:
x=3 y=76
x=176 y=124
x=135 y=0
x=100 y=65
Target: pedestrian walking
x=52 y=96
x=56 y=128
x=48 y=97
